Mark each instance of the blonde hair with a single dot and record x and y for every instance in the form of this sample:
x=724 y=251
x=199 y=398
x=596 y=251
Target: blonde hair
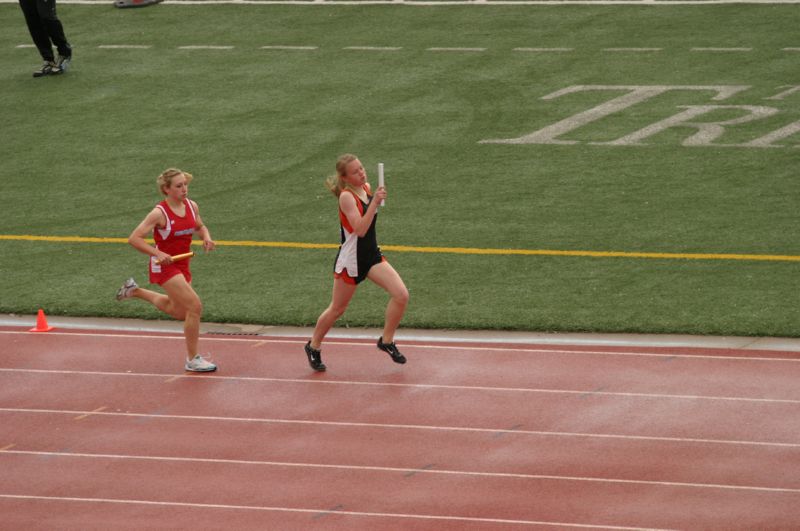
x=335 y=183
x=164 y=180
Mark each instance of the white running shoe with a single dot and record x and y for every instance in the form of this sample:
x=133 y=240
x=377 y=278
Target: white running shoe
x=49 y=68
x=198 y=364
x=126 y=291
x=63 y=62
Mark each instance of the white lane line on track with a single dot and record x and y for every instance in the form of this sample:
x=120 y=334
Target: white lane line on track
x=85 y=415
x=429 y=346
x=406 y=427
x=314 y=381
x=424 y=470
x=318 y=511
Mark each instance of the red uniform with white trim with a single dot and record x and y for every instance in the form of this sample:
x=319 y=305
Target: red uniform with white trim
x=174 y=238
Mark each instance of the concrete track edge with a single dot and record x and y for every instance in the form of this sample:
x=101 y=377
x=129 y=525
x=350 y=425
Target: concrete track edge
x=409 y=334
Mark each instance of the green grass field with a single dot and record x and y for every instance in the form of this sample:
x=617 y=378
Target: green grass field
x=261 y=129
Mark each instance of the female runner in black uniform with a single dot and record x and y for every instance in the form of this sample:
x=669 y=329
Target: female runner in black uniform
x=359 y=258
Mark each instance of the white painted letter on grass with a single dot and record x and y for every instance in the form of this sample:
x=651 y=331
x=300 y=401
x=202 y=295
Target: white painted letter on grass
x=706 y=133
x=635 y=94
x=769 y=139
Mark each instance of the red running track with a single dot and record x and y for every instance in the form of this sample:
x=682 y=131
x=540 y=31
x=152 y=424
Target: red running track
x=105 y=431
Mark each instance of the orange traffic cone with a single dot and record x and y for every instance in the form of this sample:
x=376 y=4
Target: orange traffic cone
x=41 y=323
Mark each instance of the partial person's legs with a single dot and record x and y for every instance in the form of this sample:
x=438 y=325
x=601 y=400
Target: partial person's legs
x=184 y=300
x=161 y=302
x=55 y=30
x=131 y=289
x=342 y=293
x=385 y=276
x=37 y=29
x=180 y=302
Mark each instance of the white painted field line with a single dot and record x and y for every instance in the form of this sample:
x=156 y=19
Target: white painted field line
x=463 y=429
x=432 y=471
x=374 y=48
x=437 y=3
x=717 y=49
x=205 y=47
x=544 y=50
x=314 y=381
x=790 y=49
x=125 y=46
x=284 y=47
x=25 y=46
x=426 y=346
x=319 y=511
x=440 y=49
x=632 y=49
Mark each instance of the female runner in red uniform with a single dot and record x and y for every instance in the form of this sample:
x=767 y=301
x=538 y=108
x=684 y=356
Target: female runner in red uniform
x=173 y=222
x=359 y=258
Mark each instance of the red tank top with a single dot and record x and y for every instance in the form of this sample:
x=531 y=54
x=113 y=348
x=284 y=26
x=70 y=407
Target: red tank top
x=176 y=236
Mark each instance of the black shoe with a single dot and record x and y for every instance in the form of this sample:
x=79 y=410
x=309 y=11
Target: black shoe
x=63 y=62
x=314 y=358
x=49 y=68
x=391 y=349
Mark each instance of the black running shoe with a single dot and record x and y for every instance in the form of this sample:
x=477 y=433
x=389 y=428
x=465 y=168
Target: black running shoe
x=391 y=349
x=49 y=68
x=314 y=358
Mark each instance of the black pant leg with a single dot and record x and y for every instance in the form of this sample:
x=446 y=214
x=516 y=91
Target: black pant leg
x=36 y=27
x=47 y=12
